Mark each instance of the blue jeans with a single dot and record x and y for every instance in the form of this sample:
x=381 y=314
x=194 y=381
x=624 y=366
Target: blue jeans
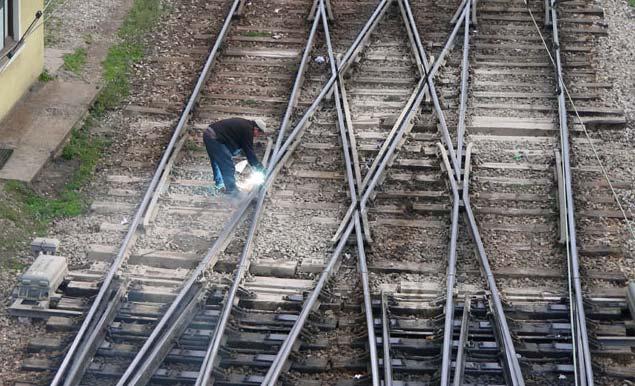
x=222 y=163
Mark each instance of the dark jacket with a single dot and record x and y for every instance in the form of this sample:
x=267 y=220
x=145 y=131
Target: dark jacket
x=237 y=134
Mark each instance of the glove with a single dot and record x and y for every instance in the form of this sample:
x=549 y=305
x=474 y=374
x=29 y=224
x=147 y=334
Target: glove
x=258 y=175
x=260 y=169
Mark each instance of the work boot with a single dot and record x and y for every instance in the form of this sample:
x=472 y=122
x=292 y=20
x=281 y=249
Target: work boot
x=235 y=196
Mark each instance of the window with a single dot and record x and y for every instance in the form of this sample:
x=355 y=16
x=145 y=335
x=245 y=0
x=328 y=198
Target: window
x=9 y=23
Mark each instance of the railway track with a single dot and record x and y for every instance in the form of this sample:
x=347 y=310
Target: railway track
x=361 y=207
x=518 y=125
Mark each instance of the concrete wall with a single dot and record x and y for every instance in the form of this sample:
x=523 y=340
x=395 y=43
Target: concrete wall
x=17 y=74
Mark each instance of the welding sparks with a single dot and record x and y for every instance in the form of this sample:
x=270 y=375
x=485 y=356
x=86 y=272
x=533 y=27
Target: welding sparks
x=256 y=178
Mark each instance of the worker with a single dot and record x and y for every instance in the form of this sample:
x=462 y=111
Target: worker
x=225 y=139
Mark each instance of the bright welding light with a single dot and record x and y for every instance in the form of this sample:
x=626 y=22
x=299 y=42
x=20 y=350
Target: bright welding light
x=256 y=178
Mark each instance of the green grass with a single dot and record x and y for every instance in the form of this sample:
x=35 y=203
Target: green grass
x=190 y=146
x=45 y=76
x=631 y=3
x=44 y=209
x=123 y=55
x=75 y=62
x=18 y=226
x=86 y=151
x=257 y=34
x=12 y=264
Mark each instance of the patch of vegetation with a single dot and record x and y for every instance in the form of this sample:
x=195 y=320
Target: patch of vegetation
x=52 y=24
x=123 y=55
x=75 y=62
x=45 y=76
x=190 y=146
x=251 y=102
x=257 y=34
x=81 y=148
x=88 y=39
x=12 y=264
x=631 y=3
x=17 y=227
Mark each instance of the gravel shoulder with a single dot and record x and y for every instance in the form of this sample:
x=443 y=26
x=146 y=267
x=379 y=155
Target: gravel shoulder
x=616 y=64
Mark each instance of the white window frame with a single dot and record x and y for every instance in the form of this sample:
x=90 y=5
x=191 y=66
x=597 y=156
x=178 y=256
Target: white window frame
x=4 y=26
x=5 y=18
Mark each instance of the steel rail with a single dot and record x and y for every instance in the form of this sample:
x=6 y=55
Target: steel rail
x=427 y=72
x=352 y=52
x=513 y=367
x=284 y=151
x=230 y=225
x=446 y=352
x=499 y=315
x=297 y=84
x=448 y=325
x=97 y=334
x=385 y=340
x=209 y=361
x=222 y=240
x=286 y=347
x=459 y=368
x=331 y=267
x=584 y=368
x=210 y=258
x=460 y=131
x=423 y=67
x=368 y=306
x=423 y=84
x=185 y=314
x=280 y=360
x=361 y=253
x=122 y=254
